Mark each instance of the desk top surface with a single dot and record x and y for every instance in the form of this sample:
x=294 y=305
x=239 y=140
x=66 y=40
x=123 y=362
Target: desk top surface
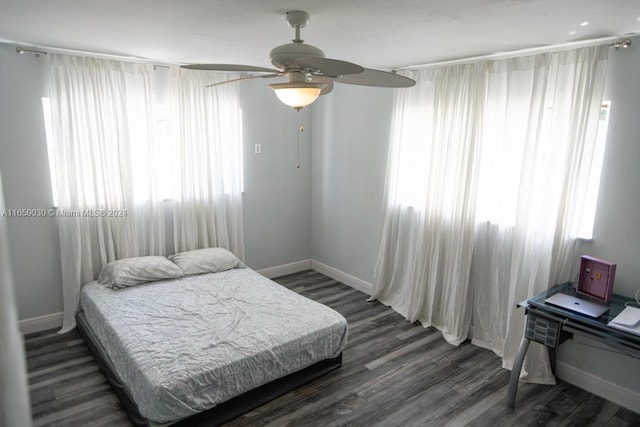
x=616 y=305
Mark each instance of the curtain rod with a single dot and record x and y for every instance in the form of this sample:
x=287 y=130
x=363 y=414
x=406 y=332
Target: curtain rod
x=616 y=42
x=37 y=51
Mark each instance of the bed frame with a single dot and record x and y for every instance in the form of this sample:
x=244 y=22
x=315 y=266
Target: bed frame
x=219 y=414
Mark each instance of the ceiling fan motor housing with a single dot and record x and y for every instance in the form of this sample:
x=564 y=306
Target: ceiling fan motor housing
x=284 y=56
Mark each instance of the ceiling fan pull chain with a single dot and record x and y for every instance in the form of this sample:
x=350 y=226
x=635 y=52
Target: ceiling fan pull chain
x=300 y=130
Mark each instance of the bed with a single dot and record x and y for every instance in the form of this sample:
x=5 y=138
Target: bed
x=204 y=344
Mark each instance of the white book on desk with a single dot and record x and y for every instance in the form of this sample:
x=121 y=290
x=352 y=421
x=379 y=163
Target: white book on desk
x=628 y=320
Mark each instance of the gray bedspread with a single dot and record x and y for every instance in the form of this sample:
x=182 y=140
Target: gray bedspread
x=183 y=346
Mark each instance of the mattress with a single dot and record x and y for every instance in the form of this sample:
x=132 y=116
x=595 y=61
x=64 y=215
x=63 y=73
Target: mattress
x=186 y=345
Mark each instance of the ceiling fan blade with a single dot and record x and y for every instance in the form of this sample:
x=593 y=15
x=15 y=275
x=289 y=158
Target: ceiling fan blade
x=377 y=78
x=230 y=68
x=261 y=76
x=329 y=67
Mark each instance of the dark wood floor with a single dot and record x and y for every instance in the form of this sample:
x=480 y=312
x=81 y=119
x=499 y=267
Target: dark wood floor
x=393 y=374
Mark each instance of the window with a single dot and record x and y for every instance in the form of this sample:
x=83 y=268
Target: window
x=593 y=186
x=166 y=177
x=501 y=169
x=48 y=128
x=493 y=139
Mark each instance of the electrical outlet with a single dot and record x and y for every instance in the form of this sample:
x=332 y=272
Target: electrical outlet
x=258 y=148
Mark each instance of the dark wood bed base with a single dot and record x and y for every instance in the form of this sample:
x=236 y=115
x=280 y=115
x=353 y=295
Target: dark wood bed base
x=221 y=413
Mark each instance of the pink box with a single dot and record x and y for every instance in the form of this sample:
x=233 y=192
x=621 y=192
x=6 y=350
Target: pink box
x=595 y=278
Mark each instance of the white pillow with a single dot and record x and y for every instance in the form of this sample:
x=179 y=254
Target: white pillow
x=128 y=272
x=209 y=260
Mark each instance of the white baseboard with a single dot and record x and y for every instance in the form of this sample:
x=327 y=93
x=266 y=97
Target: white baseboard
x=343 y=277
x=283 y=270
x=310 y=264
x=40 y=323
x=629 y=399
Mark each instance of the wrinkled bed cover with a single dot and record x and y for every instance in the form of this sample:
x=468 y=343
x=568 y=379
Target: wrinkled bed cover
x=183 y=346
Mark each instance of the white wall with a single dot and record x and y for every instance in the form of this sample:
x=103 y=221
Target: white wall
x=277 y=198
x=616 y=235
x=33 y=242
x=350 y=140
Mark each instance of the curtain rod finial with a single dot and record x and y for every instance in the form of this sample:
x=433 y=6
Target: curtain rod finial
x=621 y=44
x=37 y=53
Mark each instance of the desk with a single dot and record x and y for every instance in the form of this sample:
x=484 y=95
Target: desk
x=551 y=326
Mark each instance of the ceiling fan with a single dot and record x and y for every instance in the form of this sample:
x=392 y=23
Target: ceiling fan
x=309 y=73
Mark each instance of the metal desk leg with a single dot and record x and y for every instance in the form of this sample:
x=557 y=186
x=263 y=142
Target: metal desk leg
x=515 y=372
x=552 y=359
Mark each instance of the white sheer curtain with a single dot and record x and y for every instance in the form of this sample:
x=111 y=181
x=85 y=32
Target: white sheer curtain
x=485 y=186
x=15 y=409
x=117 y=165
x=208 y=124
x=100 y=110
x=427 y=240
x=538 y=143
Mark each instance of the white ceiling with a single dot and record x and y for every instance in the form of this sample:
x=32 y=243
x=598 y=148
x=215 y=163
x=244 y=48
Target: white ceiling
x=373 y=33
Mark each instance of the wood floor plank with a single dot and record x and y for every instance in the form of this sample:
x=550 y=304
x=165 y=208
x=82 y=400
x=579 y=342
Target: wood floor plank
x=394 y=373
x=465 y=415
x=402 y=351
x=55 y=370
x=68 y=374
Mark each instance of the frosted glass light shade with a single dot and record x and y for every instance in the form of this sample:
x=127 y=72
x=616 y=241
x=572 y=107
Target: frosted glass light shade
x=297 y=94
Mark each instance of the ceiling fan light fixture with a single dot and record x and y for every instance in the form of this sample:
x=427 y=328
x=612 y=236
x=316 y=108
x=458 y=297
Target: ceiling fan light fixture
x=297 y=94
